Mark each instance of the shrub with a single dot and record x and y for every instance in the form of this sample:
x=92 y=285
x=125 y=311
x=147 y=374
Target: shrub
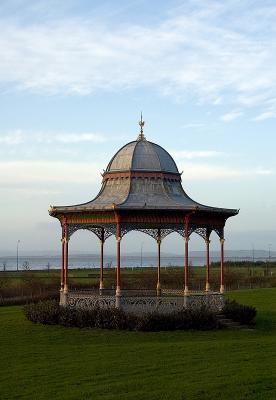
x=239 y=312
x=112 y=318
x=77 y=317
x=49 y=312
x=44 y=312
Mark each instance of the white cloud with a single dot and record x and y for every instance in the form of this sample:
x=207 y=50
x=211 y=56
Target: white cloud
x=191 y=54
x=265 y=115
x=79 y=137
x=20 y=136
x=13 y=138
x=30 y=172
x=231 y=116
x=20 y=173
x=203 y=172
x=189 y=155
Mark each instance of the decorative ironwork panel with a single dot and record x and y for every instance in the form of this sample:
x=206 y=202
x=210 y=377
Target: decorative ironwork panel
x=151 y=232
x=175 y=292
x=219 y=232
x=90 y=301
x=142 y=305
x=203 y=232
x=126 y=228
x=110 y=228
x=102 y=232
x=145 y=304
x=214 y=301
x=164 y=231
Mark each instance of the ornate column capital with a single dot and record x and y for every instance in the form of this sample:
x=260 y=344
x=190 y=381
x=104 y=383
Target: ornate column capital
x=207 y=241
x=222 y=240
x=159 y=241
x=118 y=239
x=186 y=238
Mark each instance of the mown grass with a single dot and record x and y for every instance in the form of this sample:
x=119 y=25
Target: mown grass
x=52 y=362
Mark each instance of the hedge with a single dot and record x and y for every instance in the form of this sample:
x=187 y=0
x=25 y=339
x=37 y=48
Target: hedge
x=49 y=312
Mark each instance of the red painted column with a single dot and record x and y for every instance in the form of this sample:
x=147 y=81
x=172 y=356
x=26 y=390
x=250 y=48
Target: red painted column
x=102 y=261
x=101 y=265
x=62 y=265
x=207 y=285
x=158 y=285
x=186 y=249
x=222 y=265
x=66 y=240
x=186 y=266
x=118 y=270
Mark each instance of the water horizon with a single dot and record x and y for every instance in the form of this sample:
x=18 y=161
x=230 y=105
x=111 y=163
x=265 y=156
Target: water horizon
x=53 y=261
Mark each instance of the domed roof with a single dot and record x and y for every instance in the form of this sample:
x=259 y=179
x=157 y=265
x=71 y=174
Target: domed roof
x=141 y=176
x=142 y=155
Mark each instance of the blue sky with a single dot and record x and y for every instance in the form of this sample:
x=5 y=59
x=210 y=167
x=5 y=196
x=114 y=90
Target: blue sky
x=74 y=76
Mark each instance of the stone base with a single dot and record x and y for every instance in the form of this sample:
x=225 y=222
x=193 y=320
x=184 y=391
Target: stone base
x=63 y=298
x=143 y=304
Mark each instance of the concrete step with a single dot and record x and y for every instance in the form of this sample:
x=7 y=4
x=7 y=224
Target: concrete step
x=228 y=323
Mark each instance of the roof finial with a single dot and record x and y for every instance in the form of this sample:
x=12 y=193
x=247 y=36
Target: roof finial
x=141 y=123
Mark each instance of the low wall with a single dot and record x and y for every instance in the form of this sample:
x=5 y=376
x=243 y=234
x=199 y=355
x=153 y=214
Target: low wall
x=143 y=304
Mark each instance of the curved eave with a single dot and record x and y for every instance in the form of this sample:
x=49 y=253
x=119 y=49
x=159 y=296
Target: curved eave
x=58 y=211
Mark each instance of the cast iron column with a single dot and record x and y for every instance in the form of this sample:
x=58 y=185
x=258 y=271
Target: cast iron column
x=222 y=265
x=186 y=266
x=62 y=262
x=102 y=261
x=158 y=286
x=207 y=286
x=186 y=263
x=118 y=270
x=66 y=240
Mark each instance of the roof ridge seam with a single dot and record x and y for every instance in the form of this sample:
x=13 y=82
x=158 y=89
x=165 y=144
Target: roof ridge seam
x=153 y=144
x=133 y=154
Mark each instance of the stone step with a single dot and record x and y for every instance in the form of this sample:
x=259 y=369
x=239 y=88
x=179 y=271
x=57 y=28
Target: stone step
x=231 y=324
x=228 y=323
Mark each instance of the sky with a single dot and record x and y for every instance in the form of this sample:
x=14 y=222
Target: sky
x=74 y=76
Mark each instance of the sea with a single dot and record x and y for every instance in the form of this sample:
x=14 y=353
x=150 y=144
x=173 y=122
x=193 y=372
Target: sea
x=50 y=261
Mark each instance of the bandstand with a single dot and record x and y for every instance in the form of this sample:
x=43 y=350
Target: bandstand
x=142 y=191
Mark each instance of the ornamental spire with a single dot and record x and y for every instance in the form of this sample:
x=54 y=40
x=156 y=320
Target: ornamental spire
x=141 y=123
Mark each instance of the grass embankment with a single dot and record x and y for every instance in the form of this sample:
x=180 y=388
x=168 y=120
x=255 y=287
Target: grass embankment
x=52 y=362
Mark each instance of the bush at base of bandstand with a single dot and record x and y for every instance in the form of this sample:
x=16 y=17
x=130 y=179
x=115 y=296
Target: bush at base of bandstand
x=49 y=312
x=239 y=312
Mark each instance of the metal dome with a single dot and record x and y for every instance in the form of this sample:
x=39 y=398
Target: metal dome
x=142 y=155
x=142 y=176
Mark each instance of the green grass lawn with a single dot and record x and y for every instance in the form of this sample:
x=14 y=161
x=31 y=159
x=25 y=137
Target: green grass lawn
x=52 y=362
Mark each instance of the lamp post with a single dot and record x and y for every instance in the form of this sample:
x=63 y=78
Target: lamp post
x=141 y=254
x=17 y=247
x=269 y=251
x=253 y=253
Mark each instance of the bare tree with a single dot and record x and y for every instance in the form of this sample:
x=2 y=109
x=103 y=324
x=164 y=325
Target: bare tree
x=26 y=266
